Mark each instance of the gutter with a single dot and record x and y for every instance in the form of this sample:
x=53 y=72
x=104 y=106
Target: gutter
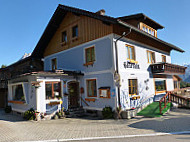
x=150 y=36
x=116 y=74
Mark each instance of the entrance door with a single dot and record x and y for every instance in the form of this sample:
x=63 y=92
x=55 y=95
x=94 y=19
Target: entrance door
x=73 y=90
x=3 y=95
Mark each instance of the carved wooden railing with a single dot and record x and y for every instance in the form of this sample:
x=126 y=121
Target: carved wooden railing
x=180 y=100
x=167 y=68
x=166 y=99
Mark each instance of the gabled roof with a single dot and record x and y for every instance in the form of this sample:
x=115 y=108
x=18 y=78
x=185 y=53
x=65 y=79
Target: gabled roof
x=143 y=18
x=59 y=15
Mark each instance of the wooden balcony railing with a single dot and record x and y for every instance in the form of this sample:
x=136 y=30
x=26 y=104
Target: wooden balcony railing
x=180 y=100
x=166 y=68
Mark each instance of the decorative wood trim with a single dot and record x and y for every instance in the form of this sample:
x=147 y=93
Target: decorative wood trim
x=54 y=103
x=89 y=63
x=16 y=102
x=149 y=28
x=159 y=92
x=132 y=61
x=90 y=99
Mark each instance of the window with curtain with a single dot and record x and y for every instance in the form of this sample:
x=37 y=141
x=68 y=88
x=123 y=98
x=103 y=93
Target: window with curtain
x=53 y=90
x=90 y=55
x=151 y=57
x=130 y=52
x=91 y=88
x=132 y=87
x=18 y=94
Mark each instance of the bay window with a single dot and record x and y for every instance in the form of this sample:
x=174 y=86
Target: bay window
x=18 y=93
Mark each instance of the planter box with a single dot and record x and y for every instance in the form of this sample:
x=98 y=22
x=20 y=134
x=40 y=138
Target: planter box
x=128 y=114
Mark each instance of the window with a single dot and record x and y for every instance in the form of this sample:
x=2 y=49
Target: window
x=160 y=85
x=53 y=90
x=90 y=55
x=151 y=57
x=175 y=84
x=64 y=36
x=164 y=58
x=132 y=87
x=130 y=52
x=75 y=31
x=148 y=29
x=91 y=88
x=54 y=64
x=104 y=92
x=18 y=94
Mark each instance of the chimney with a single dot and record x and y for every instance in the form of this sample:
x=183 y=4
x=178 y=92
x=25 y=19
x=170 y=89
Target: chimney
x=101 y=12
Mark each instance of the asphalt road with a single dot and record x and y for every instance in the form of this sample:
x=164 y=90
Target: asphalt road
x=165 y=138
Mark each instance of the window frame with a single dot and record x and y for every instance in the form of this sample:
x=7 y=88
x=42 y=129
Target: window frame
x=92 y=61
x=128 y=52
x=107 y=92
x=165 y=85
x=52 y=89
x=52 y=64
x=14 y=93
x=94 y=96
x=163 y=58
x=64 y=37
x=151 y=53
x=131 y=87
x=75 y=31
x=142 y=25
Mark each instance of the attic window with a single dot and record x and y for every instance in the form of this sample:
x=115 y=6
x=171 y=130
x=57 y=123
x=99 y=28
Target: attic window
x=75 y=31
x=64 y=36
x=148 y=29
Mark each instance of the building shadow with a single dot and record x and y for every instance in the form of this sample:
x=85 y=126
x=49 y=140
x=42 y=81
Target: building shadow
x=10 y=117
x=165 y=124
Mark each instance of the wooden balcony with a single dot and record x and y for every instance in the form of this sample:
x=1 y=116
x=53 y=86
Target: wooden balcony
x=167 y=68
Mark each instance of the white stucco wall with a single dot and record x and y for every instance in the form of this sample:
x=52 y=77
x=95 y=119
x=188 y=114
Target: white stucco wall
x=146 y=87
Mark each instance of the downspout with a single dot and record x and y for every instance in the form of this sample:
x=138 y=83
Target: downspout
x=116 y=57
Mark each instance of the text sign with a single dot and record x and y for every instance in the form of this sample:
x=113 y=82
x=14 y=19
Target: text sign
x=131 y=65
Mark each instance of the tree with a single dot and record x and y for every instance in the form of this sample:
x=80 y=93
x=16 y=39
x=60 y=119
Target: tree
x=3 y=66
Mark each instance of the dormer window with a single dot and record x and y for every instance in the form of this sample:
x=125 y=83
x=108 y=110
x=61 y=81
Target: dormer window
x=148 y=29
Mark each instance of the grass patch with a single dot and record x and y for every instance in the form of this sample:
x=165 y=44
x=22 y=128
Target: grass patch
x=153 y=110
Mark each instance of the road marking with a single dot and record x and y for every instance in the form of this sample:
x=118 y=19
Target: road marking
x=113 y=137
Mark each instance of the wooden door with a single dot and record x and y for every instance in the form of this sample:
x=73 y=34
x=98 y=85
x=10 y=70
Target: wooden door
x=3 y=94
x=73 y=90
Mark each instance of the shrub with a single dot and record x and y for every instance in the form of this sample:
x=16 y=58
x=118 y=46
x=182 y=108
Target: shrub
x=107 y=112
x=8 y=109
x=29 y=114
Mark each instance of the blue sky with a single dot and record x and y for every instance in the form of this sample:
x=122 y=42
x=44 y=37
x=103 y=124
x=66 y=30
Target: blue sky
x=22 y=22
